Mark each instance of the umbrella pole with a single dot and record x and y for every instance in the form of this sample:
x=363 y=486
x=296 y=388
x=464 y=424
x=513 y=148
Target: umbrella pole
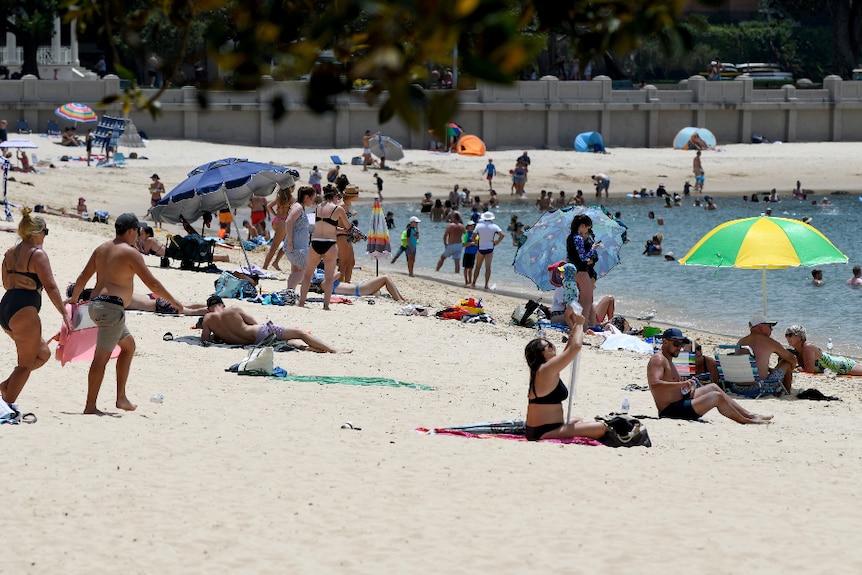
x=764 y=292
x=238 y=233
x=576 y=363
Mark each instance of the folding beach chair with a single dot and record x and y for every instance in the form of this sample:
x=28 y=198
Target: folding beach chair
x=336 y=160
x=119 y=159
x=53 y=129
x=738 y=374
x=23 y=127
x=684 y=364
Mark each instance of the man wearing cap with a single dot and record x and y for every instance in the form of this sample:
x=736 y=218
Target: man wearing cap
x=489 y=235
x=683 y=399
x=762 y=346
x=233 y=326
x=452 y=238
x=115 y=263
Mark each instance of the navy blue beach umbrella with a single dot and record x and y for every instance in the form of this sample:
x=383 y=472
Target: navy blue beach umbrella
x=222 y=184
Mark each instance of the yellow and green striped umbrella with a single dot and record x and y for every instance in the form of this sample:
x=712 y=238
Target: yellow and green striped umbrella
x=763 y=243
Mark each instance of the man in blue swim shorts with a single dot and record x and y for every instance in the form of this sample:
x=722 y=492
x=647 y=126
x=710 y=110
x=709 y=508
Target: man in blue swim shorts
x=233 y=326
x=686 y=399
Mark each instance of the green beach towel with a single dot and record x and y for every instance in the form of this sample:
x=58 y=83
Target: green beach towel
x=347 y=380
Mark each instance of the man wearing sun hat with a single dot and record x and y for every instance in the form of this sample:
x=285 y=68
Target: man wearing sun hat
x=115 y=263
x=489 y=235
x=762 y=346
x=683 y=399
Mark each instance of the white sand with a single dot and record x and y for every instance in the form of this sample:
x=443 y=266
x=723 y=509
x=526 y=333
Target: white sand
x=241 y=474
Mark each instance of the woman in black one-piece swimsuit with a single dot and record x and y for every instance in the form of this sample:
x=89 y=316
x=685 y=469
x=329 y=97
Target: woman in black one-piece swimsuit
x=545 y=408
x=26 y=270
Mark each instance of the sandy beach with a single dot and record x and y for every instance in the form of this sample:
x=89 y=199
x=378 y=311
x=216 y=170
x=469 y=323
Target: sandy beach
x=254 y=475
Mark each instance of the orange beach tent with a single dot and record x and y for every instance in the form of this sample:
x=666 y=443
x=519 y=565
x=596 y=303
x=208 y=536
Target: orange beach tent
x=470 y=146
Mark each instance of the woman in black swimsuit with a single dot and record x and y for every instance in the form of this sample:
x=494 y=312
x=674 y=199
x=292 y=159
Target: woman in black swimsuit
x=545 y=408
x=328 y=217
x=26 y=270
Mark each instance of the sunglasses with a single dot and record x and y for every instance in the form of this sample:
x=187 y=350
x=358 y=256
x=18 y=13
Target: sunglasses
x=547 y=345
x=44 y=231
x=676 y=343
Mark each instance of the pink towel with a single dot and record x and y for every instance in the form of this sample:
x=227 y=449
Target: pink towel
x=568 y=440
x=80 y=343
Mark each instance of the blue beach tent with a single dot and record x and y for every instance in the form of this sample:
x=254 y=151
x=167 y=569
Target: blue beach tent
x=683 y=139
x=589 y=142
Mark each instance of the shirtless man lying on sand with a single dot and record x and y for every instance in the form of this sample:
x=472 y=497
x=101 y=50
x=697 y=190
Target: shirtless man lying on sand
x=233 y=326
x=676 y=399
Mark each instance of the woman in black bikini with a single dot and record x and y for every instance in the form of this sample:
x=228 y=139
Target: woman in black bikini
x=547 y=392
x=26 y=270
x=328 y=217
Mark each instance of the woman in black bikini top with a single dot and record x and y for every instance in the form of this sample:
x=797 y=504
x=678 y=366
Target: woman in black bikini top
x=328 y=217
x=26 y=271
x=544 y=400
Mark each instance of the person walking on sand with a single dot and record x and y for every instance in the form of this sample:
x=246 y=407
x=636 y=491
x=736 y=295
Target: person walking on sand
x=26 y=272
x=489 y=172
x=366 y=149
x=278 y=208
x=452 y=236
x=115 y=263
x=489 y=235
x=699 y=176
x=328 y=217
x=157 y=188
x=678 y=399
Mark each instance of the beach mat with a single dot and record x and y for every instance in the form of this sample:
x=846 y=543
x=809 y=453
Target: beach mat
x=349 y=380
x=509 y=436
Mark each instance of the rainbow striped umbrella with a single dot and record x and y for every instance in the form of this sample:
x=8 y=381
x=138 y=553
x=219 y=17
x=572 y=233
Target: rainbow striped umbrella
x=378 y=236
x=75 y=112
x=763 y=243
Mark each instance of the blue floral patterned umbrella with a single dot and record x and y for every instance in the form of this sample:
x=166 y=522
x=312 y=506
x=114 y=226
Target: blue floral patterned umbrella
x=546 y=243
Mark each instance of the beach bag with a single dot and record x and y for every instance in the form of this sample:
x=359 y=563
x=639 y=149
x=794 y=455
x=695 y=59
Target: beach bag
x=355 y=235
x=624 y=431
x=228 y=285
x=259 y=362
x=247 y=290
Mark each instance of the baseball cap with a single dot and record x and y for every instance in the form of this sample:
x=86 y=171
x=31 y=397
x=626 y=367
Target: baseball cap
x=214 y=300
x=81 y=199
x=675 y=333
x=414 y=219
x=470 y=223
x=669 y=256
x=126 y=222
x=759 y=319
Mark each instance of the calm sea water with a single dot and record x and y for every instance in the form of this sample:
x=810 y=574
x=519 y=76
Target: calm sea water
x=714 y=300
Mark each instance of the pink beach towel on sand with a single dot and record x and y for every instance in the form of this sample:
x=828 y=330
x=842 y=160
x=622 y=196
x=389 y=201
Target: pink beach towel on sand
x=456 y=433
x=80 y=343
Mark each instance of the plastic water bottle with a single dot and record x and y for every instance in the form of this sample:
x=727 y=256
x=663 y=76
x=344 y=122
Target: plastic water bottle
x=624 y=408
x=829 y=344
x=157 y=398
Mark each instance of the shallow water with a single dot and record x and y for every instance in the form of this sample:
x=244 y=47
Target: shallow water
x=708 y=299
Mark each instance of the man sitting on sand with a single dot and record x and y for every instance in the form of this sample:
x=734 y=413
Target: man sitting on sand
x=233 y=326
x=762 y=346
x=677 y=399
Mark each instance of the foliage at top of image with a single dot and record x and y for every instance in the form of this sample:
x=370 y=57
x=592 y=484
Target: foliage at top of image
x=386 y=44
